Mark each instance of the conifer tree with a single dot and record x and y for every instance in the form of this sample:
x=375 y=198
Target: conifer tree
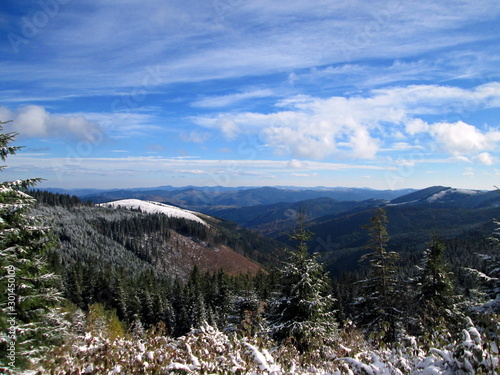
x=378 y=313
x=434 y=287
x=490 y=279
x=29 y=319
x=303 y=311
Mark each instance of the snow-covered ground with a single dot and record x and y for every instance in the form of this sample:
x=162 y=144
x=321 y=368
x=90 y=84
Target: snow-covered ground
x=441 y=194
x=155 y=207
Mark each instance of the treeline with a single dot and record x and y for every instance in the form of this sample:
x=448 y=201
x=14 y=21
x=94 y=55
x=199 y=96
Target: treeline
x=56 y=199
x=146 y=299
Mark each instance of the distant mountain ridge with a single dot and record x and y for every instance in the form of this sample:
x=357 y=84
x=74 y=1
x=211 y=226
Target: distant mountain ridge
x=451 y=197
x=196 y=198
x=276 y=218
x=337 y=226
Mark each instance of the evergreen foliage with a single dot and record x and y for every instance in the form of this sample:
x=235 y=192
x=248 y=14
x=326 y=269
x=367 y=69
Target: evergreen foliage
x=303 y=313
x=491 y=277
x=56 y=199
x=435 y=299
x=30 y=321
x=377 y=305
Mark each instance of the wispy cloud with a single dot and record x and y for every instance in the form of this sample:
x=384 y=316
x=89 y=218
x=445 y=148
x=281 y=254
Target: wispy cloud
x=118 y=45
x=231 y=99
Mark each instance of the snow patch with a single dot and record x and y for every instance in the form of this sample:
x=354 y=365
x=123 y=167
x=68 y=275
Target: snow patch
x=442 y=193
x=155 y=207
x=437 y=196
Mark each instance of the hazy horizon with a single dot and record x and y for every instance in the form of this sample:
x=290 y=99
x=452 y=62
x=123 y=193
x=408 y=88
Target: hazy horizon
x=215 y=187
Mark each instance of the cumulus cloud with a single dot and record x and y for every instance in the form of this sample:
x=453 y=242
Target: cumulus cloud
x=461 y=138
x=415 y=126
x=485 y=158
x=360 y=126
x=35 y=122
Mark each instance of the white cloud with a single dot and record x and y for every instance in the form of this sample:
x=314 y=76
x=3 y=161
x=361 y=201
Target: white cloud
x=359 y=126
x=34 y=121
x=228 y=127
x=485 y=158
x=197 y=40
x=195 y=136
x=461 y=138
x=415 y=126
x=403 y=146
x=461 y=158
x=363 y=145
x=304 y=174
x=231 y=99
x=297 y=164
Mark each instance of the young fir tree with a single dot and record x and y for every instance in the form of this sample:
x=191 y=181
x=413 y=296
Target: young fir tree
x=435 y=291
x=303 y=311
x=378 y=313
x=29 y=319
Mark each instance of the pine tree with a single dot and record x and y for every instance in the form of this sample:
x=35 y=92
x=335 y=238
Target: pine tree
x=29 y=319
x=377 y=305
x=303 y=311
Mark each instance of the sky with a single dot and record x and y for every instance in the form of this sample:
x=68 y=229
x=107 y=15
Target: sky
x=386 y=94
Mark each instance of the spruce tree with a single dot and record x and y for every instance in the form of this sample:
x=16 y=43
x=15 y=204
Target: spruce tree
x=303 y=313
x=378 y=313
x=435 y=291
x=29 y=319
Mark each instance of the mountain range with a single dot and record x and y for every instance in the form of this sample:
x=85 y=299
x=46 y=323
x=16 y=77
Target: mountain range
x=335 y=216
x=197 y=198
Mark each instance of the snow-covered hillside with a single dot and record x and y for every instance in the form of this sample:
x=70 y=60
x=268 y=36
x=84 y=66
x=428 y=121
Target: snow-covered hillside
x=155 y=207
x=450 y=191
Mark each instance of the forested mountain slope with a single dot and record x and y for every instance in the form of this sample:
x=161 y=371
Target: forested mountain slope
x=139 y=241
x=413 y=219
x=447 y=197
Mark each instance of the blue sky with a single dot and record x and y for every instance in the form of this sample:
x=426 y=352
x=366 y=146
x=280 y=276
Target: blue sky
x=383 y=94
